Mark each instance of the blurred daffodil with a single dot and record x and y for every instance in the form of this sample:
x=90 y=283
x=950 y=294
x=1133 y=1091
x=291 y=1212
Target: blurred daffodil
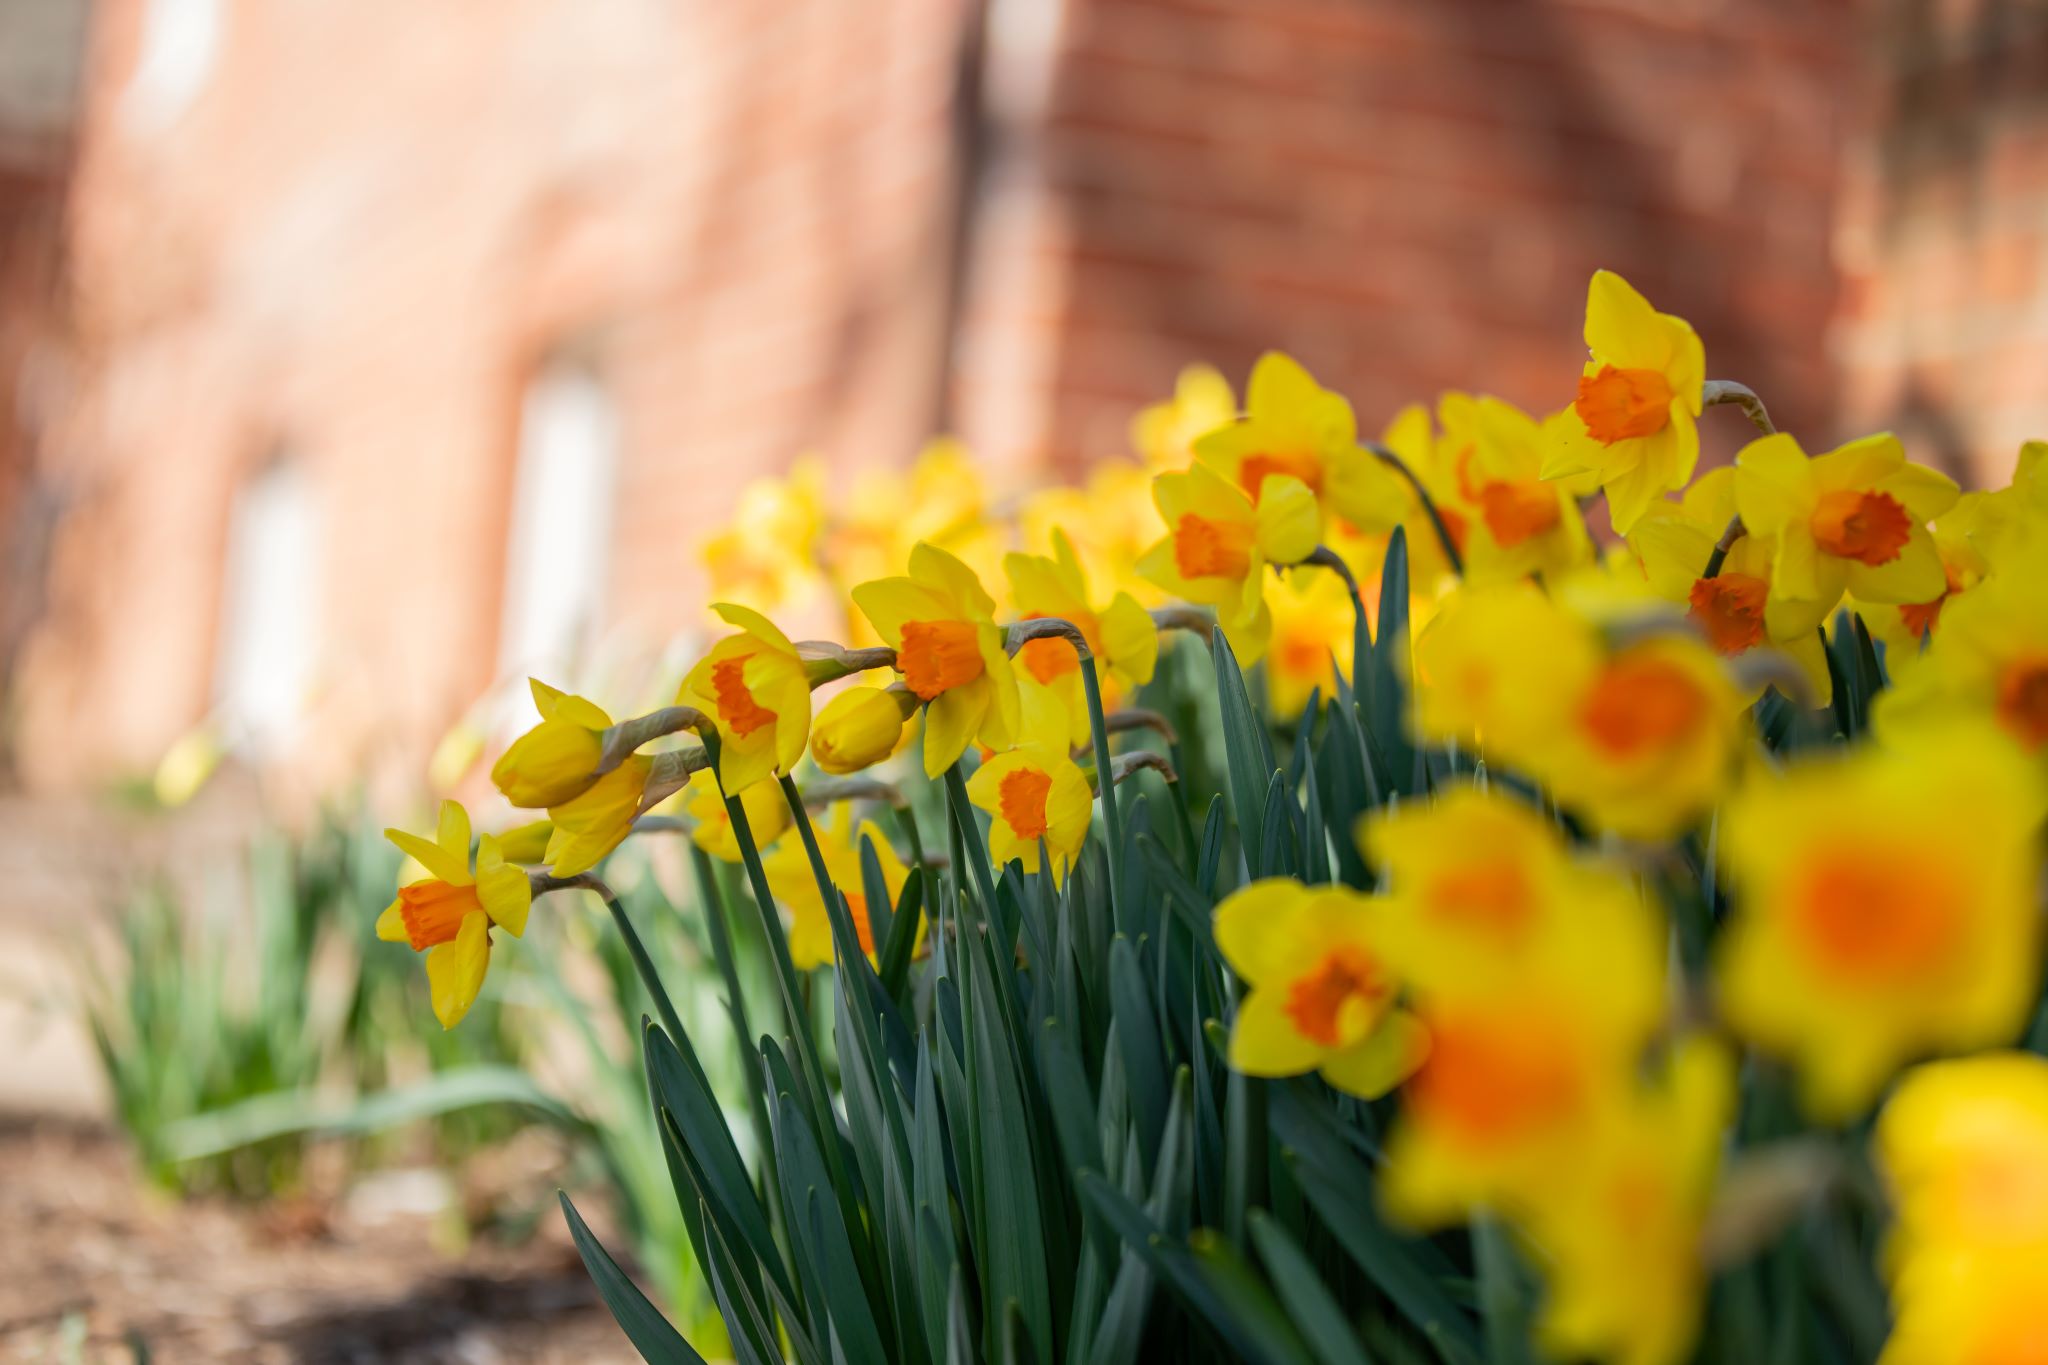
x=1218 y=544
x=1120 y=636
x=791 y=878
x=754 y=686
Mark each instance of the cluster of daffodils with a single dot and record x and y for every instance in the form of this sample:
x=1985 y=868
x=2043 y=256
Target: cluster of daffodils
x=1656 y=830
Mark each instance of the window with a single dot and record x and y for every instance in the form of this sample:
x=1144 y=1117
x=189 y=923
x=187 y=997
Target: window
x=560 y=551
x=270 y=604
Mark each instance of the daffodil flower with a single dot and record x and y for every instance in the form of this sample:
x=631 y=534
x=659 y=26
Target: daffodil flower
x=1312 y=640
x=1640 y=397
x=1888 y=906
x=1295 y=428
x=449 y=913
x=859 y=727
x=1851 y=520
x=1988 y=661
x=1120 y=636
x=753 y=685
x=556 y=761
x=1673 y=545
x=1518 y=523
x=588 y=827
x=941 y=623
x=1218 y=544
x=791 y=879
x=711 y=826
x=1961 y=1145
x=1033 y=792
x=1322 y=996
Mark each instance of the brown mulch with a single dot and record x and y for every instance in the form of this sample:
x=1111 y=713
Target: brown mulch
x=93 y=1265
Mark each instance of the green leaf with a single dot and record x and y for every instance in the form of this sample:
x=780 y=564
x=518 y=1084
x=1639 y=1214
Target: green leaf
x=1246 y=748
x=1137 y=1034
x=1299 y=1282
x=644 y=1326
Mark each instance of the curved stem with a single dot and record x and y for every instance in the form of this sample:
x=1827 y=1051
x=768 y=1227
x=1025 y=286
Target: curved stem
x=827 y=790
x=1436 y=519
x=1323 y=557
x=1124 y=765
x=1718 y=391
x=1135 y=718
x=628 y=735
x=1112 y=814
x=1184 y=618
x=1733 y=532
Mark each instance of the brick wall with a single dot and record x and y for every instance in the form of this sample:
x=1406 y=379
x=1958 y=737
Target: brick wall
x=1943 y=243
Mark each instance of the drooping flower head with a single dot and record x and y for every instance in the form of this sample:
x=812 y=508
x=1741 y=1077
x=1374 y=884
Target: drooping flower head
x=1322 y=996
x=1888 y=906
x=556 y=761
x=754 y=686
x=1639 y=398
x=1034 y=792
x=588 y=827
x=941 y=623
x=449 y=913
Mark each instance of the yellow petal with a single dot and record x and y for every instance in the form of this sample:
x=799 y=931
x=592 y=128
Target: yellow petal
x=1252 y=927
x=1622 y=328
x=391 y=924
x=1773 y=484
x=438 y=862
x=1130 y=639
x=951 y=719
x=455 y=970
x=1288 y=519
x=889 y=602
x=453 y=835
x=1264 y=1041
x=1381 y=1060
x=929 y=564
x=1916 y=575
x=504 y=891
x=754 y=624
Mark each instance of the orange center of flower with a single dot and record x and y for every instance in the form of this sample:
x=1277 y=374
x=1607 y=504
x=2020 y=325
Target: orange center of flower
x=1616 y=404
x=2023 y=701
x=1317 y=1002
x=1516 y=510
x=1485 y=897
x=1639 y=704
x=1874 y=913
x=1256 y=469
x=2012 y=1332
x=937 y=655
x=736 y=705
x=1491 y=1081
x=1920 y=618
x=1870 y=528
x=1205 y=548
x=1022 y=798
x=1301 y=654
x=433 y=911
x=1730 y=609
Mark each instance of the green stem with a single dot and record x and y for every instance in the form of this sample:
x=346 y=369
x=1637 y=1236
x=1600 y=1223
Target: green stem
x=1112 y=813
x=736 y=1006
x=1443 y=532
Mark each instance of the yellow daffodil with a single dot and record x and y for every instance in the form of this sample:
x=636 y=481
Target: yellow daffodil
x=1321 y=997
x=449 y=913
x=1481 y=893
x=754 y=686
x=555 y=761
x=791 y=879
x=859 y=727
x=1313 y=638
x=942 y=499
x=1616 y=1231
x=1638 y=734
x=1120 y=635
x=1888 y=907
x=766 y=557
x=1989 y=659
x=1963 y=1146
x=1851 y=520
x=1411 y=436
x=1165 y=433
x=950 y=652
x=2015 y=517
x=766 y=808
x=1217 y=546
x=1904 y=627
x=589 y=827
x=1517 y=523
x=1640 y=397
x=1291 y=425
x=1672 y=545
x=1033 y=792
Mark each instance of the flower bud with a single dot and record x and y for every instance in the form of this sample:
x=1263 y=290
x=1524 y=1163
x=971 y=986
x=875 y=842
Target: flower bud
x=553 y=763
x=527 y=844
x=859 y=727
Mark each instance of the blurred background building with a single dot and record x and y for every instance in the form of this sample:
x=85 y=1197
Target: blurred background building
x=311 y=311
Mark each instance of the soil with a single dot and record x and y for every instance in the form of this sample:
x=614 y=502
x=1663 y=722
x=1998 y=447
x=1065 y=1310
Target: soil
x=96 y=1268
